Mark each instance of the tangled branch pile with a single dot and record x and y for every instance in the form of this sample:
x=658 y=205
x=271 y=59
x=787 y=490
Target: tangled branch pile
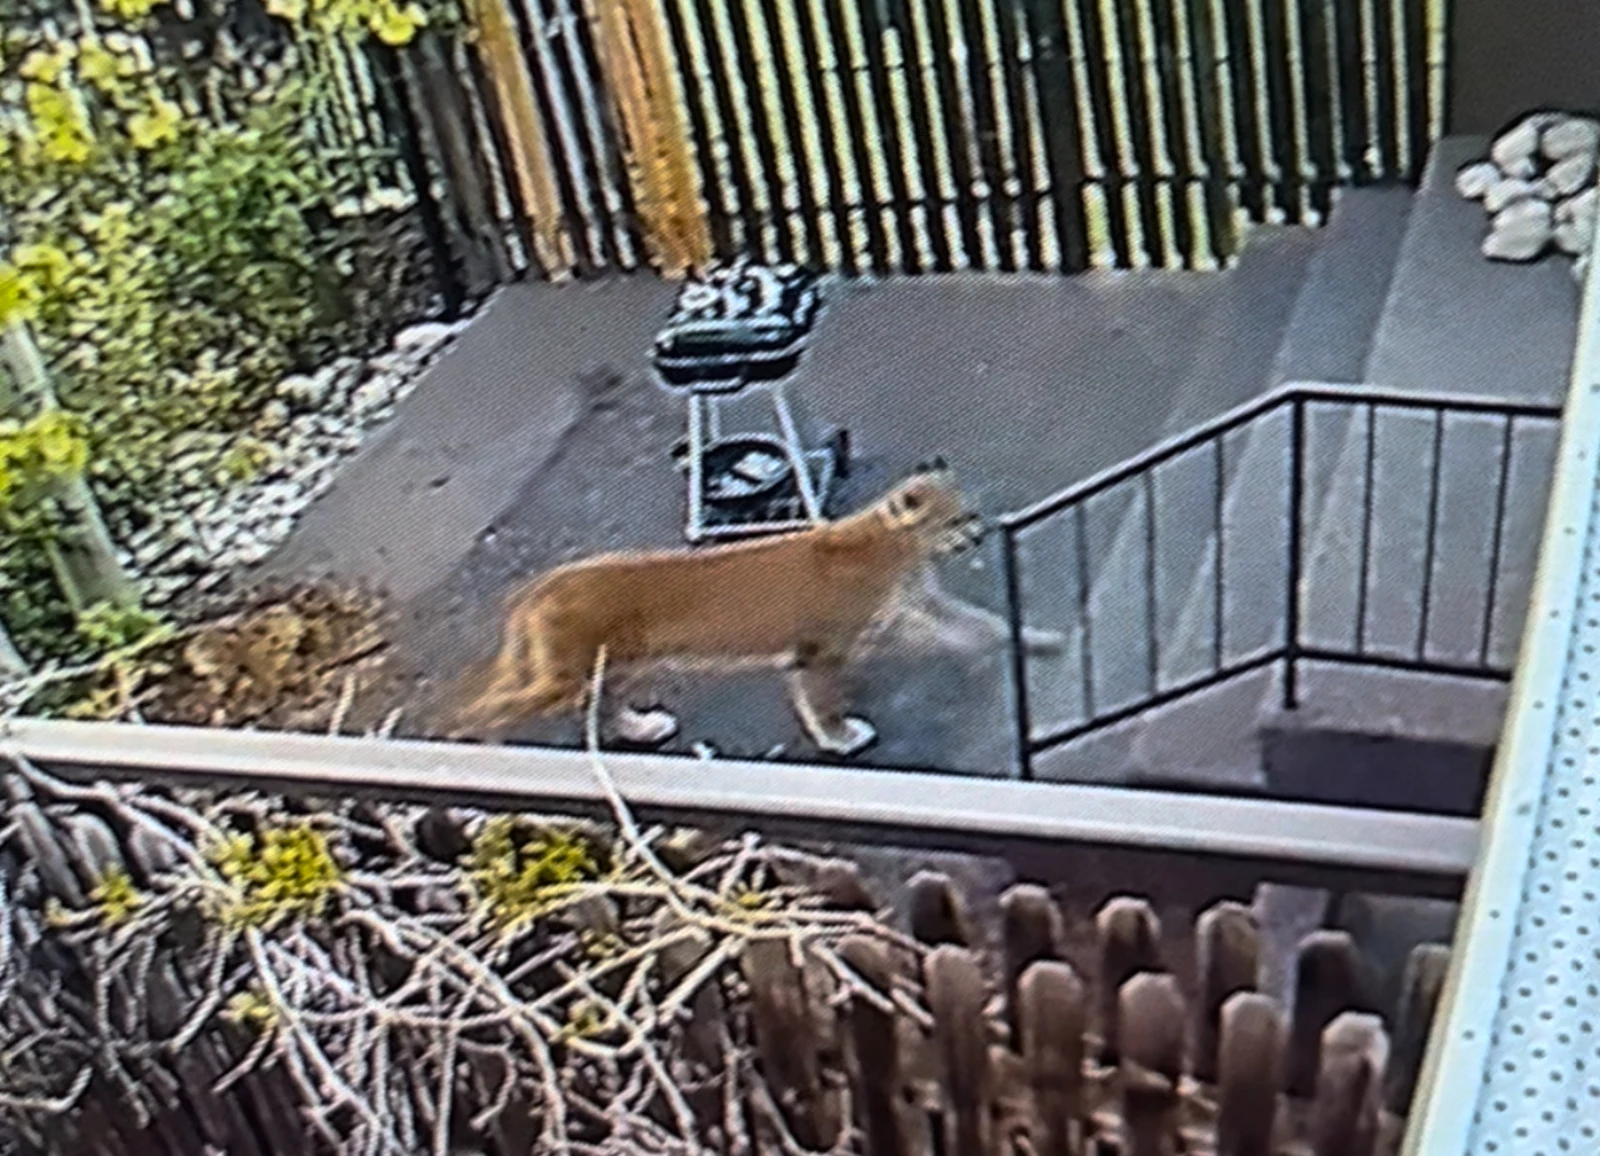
x=412 y=978
x=289 y=658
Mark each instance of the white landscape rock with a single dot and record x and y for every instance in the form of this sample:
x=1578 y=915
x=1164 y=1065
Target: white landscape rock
x=1521 y=231
x=1515 y=150
x=1570 y=136
x=423 y=339
x=1574 y=223
x=1538 y=187
x=1508 y=191
x=1568 y=175
x=1475 y=180
x=312 y=422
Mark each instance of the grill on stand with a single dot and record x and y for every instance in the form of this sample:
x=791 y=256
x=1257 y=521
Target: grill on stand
x=735 y=335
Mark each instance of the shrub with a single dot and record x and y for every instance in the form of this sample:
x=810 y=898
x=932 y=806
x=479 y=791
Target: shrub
x=169 y=230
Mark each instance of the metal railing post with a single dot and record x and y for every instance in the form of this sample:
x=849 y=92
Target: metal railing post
x=1297 y=502
x=1023 y=737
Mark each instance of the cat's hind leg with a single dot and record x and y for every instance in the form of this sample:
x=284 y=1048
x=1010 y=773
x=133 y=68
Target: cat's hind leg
x=816 y=688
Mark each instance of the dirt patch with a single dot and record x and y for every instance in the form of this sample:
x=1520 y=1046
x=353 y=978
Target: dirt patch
x=304 y=657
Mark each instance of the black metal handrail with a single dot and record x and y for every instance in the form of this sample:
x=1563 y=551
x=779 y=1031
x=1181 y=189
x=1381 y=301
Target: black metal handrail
x=1292 y=650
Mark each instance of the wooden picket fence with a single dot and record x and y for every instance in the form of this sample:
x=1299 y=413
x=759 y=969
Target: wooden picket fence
x=1115 y=1054
x=1036 y=1036
x=927 y=135
x=569 y=138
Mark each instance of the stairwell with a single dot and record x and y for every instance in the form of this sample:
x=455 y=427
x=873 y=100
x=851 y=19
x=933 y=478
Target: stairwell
x=1398 y=297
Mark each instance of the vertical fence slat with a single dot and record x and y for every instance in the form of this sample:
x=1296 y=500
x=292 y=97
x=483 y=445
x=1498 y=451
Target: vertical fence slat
x=1282 y=108
x=738 y=107
x=873 y=156
x=1014 y=73
x=1008 y=171
x=921 y=94
x=1385 y=109
x=933 y=16
x=705 y=129
x=1246 y=106
x=1183 y=163
x=1102 y=116
x=868 y=198
x=1211 y=121
x=823 y=114
x=747 y=30
x=1057 y=102
x=898 y=145
x=663 y=194
x=565 y=172
x=788 y=73
x=1414 y=67
x=600 y=115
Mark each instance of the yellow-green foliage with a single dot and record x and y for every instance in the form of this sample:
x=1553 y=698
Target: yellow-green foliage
x=168 y=234
x=585 y=1018
x=516 y=869
x=251 y=1009
x=161 y=211
x=109 y=628
x=116 y=897
x=53 y=445
x=288 y=873
x=391 y=22
x=745 y=901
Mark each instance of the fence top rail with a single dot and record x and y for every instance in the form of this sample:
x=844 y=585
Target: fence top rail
x=976 y=806
x=1334 y=393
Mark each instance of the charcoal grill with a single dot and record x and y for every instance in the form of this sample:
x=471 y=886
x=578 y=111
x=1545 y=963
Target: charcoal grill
x=741 y=332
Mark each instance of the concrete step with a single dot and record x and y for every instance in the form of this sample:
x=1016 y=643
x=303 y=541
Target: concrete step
x=1380 y=738
x=1330 y=332
x=1455 y=321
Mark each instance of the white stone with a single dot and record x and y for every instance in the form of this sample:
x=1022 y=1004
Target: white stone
x=372 y=395
x=424 y=338
x=303 y=391
x=1579 y=206
x=1526 y=169
x=1507 y=191
x=1568 y=175
x=1520 y=232
x=1473 y=181
x=1574 y=236
x=1517 y=146
x=1580 y=269
x=393 y=365
x=275 y=415
x=1570 y=136
x=336 y=379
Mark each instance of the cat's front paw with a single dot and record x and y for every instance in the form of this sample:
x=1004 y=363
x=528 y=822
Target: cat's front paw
x=853 y=736
x=647 y=728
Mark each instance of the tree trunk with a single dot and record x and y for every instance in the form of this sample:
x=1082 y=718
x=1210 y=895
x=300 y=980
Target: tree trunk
x=12 y=664
x=82 y=555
